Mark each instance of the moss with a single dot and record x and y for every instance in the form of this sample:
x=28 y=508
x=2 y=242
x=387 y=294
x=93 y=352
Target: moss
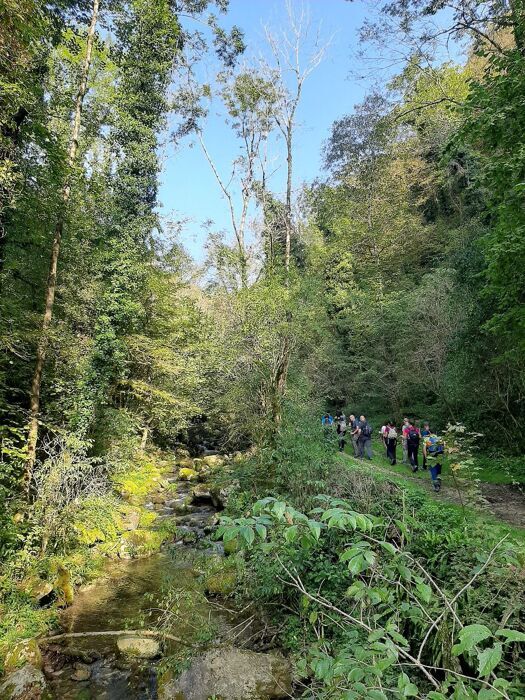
x=221 y=583
x=187 y=474
x=24 y=652
x=231 y=546
x=147 y=518
x=142 y=543
x=136 y=482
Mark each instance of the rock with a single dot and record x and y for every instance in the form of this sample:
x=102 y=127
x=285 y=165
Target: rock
x=131 y=520
x=25 y=652
x=231 y=547
x=187 y=474
x=39 y=589
x=185 y=463
x=81 y=673
x=213 y=461
x=28 y=683
x=221 y=583
x=201 y=494
x=234 y=674
x=64 y=584
x=140 y=647
x=158 y=498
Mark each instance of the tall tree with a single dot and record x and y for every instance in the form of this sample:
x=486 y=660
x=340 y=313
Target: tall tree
x=34 y=397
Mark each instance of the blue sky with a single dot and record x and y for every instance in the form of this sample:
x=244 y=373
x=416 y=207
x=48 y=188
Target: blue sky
x=189 y=190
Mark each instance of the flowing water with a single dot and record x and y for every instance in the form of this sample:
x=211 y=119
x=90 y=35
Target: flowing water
x=130 y=596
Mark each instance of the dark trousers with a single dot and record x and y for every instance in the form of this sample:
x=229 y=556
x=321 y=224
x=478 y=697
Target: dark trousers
x=341 y=438
x=413 y=449
x=391 y=444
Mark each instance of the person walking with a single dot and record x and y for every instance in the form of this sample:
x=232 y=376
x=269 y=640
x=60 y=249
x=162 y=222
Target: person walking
x=425 y=433
x=383 y=433
x=354 y=433
x=404 y=432
x=434 y=454
x=413 y=436
x=391 y=442
x=341 y=430
x=365 y=438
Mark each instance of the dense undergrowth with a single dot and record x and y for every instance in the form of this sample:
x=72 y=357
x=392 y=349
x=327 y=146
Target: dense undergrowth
x=380 y=591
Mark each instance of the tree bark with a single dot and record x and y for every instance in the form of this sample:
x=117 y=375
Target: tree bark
x=34 y=398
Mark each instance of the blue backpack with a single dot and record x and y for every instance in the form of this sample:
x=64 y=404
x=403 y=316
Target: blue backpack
x=434 y=445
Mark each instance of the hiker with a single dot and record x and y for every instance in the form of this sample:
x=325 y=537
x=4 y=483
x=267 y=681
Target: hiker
x=365 y=438
x=413 y=437
x=404 y=431
x=327 y=419
x=391 y=442
x=341 y=431
x=383 y=433
x=434 y=454
x=354 y=433
x=425 y=433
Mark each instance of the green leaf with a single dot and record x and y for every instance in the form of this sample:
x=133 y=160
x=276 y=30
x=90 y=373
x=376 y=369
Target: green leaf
x=469 y=636
x=261 y=531
x=489 y=659
x=424 y=592
x=290 y=533
x=247 y=533
x=315 y=528
x=511 y=635
x=278 y=509
x=388 y=547
x=313 y=617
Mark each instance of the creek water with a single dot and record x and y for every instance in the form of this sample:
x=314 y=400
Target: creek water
x=131 y=595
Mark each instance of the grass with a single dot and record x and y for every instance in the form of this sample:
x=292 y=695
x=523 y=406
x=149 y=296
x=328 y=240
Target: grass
x=414 y=483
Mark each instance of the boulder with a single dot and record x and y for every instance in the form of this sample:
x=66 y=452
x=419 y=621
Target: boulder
x=213 y=461
x=235 y=674
x=187 y=474
x=185 y=463
x=201 y=494
x=139 y=647
x=25 y=652
x=81 y=673
x=39 y=589
x=28 y=683
x=130 y=521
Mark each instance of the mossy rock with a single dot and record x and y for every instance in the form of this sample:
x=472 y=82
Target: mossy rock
x=185 y=463
x=187 y=474
x=221 y=583
x=27 y=683
x=24 y=652
x=64 y=584
x=231 y=547
x=213 y=461
x=141 y=543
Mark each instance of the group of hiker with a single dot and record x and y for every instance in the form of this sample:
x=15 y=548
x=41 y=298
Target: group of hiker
x=411 y=435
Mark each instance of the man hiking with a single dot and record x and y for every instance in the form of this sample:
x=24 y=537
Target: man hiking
x=434 y=454
x=413 y=436
x=365 y=438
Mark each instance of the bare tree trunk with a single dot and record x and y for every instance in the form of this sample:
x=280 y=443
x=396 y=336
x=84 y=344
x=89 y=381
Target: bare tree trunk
x=144 y=439
x=288 y=204
x=34 y=401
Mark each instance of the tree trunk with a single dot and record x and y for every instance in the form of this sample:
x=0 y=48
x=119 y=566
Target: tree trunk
x=288 y=205
x=144 y=439
x=34 y=401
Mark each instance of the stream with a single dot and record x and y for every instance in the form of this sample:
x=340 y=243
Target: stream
x=130 y=596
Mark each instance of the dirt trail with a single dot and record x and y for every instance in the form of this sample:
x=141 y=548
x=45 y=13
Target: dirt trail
x=504 y=501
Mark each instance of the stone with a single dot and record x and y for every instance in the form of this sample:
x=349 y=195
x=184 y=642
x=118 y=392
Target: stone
x=38 y=589
x=28 y=683
x=185 y=463
x=81 y=673
x=25 y=652
x=213 y=461
x=64 y=583
x=201 y=494
x=131 y=520
x=221 y=583
x=236 y=674
x=140 y=647
x=187 y=474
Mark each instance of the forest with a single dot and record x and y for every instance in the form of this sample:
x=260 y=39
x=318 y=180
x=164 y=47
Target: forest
x=175 y=522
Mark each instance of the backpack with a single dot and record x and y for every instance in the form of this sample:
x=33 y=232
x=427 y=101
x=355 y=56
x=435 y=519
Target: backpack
x=392 y=434
x=366 y=431
x=434 y=446
x=341 y=427
x=413 y=435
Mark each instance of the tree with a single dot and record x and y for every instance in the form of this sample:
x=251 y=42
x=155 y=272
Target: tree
x=55 y=249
